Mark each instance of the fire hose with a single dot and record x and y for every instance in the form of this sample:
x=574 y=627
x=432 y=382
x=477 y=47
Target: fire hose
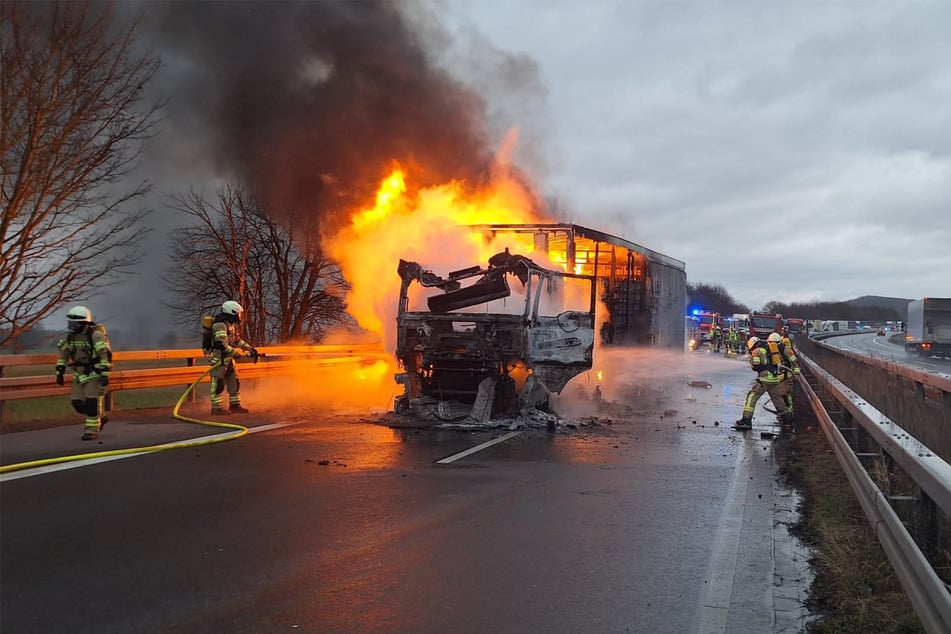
x=240 y=430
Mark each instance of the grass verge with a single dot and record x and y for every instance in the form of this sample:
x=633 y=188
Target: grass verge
x=855 y=591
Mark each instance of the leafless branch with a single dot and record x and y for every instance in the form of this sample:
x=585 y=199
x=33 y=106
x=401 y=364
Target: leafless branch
x=72 y=125
x=232 y=250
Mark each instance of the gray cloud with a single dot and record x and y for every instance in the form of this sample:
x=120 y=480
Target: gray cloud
x=786 y=151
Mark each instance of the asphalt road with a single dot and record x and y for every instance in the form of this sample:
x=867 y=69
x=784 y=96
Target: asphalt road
x=882 y=347
x=651 y=517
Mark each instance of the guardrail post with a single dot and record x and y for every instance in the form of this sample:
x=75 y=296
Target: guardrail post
x=930 y=529
x=190 y=362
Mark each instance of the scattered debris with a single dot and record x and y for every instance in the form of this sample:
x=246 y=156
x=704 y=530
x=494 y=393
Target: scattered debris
x=705 y=384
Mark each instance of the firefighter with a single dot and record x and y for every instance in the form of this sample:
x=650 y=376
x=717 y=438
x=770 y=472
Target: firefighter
x=785 y=338
x=717 y=336
x=781 y=351
x=227 y=345
x=85 y=349
x=732 y=341
x=767 y=380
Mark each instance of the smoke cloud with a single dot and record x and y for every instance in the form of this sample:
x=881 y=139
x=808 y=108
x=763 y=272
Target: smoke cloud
x=309 y=103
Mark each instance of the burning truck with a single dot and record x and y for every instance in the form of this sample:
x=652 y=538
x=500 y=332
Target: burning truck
x=500 y=362
x=502 y=337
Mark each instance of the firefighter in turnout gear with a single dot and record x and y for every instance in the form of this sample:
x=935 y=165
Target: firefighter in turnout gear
x=768 y=378
x=732 y=342
x=226 y=346
x=85 y=349
x=781 y=348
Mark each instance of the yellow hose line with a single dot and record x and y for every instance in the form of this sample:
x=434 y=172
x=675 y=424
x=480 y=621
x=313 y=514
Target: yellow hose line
x=240 y=430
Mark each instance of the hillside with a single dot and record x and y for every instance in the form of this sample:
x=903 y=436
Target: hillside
x=898 y=304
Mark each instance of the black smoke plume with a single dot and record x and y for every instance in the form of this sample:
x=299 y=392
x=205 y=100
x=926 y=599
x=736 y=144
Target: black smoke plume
x=309 y=103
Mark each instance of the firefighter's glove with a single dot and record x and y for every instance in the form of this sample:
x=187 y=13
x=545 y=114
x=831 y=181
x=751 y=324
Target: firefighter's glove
x=254 y=354
x=59 y=376
x=103 y=380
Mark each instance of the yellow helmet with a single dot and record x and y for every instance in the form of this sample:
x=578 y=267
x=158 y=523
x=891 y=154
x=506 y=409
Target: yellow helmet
x=751 y=342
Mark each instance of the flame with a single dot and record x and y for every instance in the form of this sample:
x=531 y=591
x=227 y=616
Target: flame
x=429 y=227
x=392 y=187
x=426 y=225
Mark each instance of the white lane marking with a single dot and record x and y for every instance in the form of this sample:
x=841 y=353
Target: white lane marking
x=63 y=466
x=472 y=450
x=715 y=604
x=86 y=462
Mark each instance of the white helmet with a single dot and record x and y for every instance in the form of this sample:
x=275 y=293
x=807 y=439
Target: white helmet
x=774 y=337
x=78 y=317
x=79 y=313
x=232 y=308
x=751 y=342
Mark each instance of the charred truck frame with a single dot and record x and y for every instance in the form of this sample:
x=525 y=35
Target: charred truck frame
x=503 y=361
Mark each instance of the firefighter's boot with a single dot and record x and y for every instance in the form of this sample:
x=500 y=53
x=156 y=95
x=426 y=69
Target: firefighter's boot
x=786 y=421
x=219 y=411
x=743 y=424
x=91 y=429
x=237 y=409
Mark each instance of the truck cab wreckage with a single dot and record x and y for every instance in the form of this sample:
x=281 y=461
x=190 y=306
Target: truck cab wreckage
x=464 y=351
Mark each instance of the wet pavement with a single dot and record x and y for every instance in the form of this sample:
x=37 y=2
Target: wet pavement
x=645 y=513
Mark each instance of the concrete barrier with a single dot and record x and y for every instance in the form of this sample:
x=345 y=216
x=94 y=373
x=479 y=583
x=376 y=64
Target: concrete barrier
x=918 y=401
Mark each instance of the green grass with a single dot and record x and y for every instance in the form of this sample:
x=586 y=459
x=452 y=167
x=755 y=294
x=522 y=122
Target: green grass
x=40 y=413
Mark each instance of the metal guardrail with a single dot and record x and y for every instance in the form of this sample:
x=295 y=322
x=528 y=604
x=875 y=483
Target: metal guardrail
x=279 y=360
x=927 y=592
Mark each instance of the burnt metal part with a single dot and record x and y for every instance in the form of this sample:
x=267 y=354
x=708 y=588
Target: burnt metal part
x=447 y=354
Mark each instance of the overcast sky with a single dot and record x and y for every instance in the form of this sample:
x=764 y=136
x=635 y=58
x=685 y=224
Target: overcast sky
x=791 y=151
x=795 y=151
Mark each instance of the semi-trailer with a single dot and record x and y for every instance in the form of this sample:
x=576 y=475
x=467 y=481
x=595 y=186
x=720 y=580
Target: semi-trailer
x=928 y=330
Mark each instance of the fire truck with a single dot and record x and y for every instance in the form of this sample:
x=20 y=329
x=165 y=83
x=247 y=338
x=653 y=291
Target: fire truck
x=762 y=324
x=708 y=321
x=795 y=326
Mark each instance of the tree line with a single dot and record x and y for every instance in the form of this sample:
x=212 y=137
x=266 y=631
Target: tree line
x=715 y=298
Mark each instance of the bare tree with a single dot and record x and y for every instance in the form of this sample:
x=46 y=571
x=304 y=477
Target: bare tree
x=276 y=271
x=72 y=124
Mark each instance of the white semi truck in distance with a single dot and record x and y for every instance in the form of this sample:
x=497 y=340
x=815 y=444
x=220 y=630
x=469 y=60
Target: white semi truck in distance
x=928 y=327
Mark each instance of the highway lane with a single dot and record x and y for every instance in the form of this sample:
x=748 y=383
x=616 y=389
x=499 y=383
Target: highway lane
x=660 y=520
x=883 y=347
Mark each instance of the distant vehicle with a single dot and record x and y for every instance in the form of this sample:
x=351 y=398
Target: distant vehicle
x=692 y=330
x=708 y=321
x=835 y=326
x=795 y=326
x=761 y=324
x=928 y=331
x=881 y=332
x=741 y=324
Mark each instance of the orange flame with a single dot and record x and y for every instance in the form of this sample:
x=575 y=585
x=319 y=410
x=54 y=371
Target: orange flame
x=428 y=227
